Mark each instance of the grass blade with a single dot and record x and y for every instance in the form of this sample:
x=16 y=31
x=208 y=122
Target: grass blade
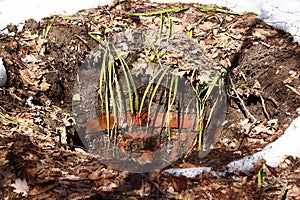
x=107 y=114
x=9 y=120
x=170 y=24
x=149 y=86
x=201 y=107
x=119 y=94
x=161 y=24
x=92 y=35
x=102 y=73
x=208 y=9
x=111 y=92
x=170 y=99
x=157 y=12
x=49 y=25
x=156 y=87
x=157 y=53
x=129 y=82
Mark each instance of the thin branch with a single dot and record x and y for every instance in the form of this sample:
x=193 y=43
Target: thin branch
x=253 y=119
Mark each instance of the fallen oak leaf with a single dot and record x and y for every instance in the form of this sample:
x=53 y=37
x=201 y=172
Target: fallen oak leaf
x=21 y=187
x=39 y=189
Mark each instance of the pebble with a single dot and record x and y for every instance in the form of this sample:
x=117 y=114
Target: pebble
x=298 y=111
x=3 y=75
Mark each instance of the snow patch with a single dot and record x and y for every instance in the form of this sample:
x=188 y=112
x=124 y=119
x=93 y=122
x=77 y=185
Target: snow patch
x=273 y=154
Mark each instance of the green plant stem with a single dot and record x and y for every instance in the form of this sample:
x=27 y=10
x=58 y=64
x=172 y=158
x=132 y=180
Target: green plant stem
x=49 y=25
x=157 y=12
x=208 y=9
x=129 y=82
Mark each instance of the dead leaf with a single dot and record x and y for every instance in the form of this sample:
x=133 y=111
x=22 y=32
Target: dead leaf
x=179 y=183
x=95 y=175
x=30 y=59
x=44 y=85
x=31 y=171
x=21 y=187
x=39 y=189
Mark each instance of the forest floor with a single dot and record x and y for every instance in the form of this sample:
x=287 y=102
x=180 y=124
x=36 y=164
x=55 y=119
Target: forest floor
x=38 y=133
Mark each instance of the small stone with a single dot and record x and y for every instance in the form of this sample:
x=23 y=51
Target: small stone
x=298 y=111
x=3 y=75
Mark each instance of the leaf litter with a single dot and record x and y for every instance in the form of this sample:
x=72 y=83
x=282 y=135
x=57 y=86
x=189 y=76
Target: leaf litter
x=43 y=153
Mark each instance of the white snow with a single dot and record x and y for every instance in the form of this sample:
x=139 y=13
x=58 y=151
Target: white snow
x=3 y=75
x=16 y=11
x=273 y=154
x=189 y=172
x=281 y=14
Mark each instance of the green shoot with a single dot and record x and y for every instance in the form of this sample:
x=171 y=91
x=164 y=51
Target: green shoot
x=118 y=90
x=157 y=12
x=161 y=24
x=93 y=36
x=244 y=76
x=67 y=17
x=148 y=88
x=103 y=78
x=201 y=105
x=156 y=86
x=157 y=53
x=49 y=25
x=200 y=111
x=208 y=9
x=170 y=24
x=107 y=107
x=102 y=72
x=190 y=33
x=111 y=91
x=9 y=120
x=129 y=81
x=170 y=99
x=261 y=174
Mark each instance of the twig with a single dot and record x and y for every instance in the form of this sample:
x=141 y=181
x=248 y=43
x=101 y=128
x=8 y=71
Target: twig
x=273 y=101
x=253 y=119
x=245 y=109
x=84 y=42
x=264 y=107
x=293 y=89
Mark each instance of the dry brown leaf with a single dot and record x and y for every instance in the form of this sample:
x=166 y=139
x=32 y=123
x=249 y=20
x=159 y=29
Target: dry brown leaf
x=95 y=175
x=30 y=59
x=38 y=189
x=44 y=85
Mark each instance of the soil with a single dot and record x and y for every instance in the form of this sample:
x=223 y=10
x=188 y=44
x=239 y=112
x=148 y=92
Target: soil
x=39 y=139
